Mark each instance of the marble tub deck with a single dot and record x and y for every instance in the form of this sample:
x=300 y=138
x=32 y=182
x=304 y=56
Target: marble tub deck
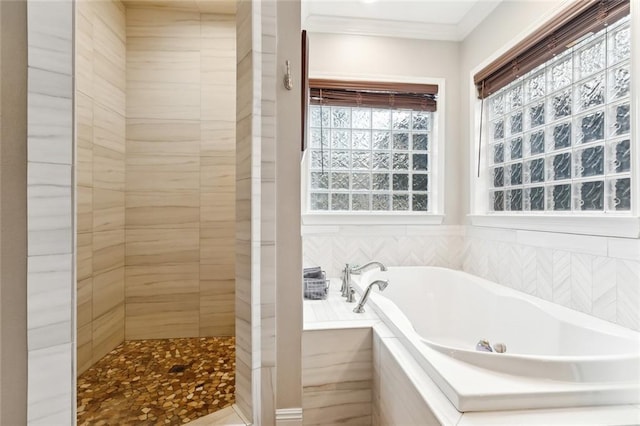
x=156 y=382
x=335 y=312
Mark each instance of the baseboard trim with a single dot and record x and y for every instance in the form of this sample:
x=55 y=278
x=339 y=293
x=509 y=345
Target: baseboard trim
x=289 y=416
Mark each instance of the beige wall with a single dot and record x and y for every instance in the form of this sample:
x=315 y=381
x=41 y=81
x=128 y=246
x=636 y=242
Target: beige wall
x=180 y=174
x=100 y=121
x=288 y=241
x=507 y=22
x=13 y=213
x=365 y=56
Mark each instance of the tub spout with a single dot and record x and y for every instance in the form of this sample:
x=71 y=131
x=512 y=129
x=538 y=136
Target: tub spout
x=345 y=289
x=484 y=346
x=357 y=269
x=381 y=285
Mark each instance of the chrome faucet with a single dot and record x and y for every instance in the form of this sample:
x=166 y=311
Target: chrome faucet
x=358 y=269
x=345 y=289
x=381 y=285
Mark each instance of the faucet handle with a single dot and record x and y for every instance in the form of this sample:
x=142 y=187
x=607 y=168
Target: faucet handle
x=346 y=277
x=351 y=296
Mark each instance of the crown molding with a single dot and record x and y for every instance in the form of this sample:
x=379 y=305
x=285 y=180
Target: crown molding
x=380 y=27
x=474 y=16
x=318 y=23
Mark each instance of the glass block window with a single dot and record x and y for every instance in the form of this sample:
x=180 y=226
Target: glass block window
x=559 y=136
x=369 y=159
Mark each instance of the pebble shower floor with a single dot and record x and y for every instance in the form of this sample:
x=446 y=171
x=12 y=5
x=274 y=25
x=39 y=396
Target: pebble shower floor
x=158 y=382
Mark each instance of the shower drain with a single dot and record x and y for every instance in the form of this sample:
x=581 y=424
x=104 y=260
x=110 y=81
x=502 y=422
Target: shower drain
x=178 y=368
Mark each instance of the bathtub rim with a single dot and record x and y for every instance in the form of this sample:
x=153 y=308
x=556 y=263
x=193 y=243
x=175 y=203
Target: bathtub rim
x=452 y=375
x=559 y=312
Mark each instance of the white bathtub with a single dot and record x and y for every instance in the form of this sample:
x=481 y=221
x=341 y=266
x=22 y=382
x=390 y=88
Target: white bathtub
x=556 y=357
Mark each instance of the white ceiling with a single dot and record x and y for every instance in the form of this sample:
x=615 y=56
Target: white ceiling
x=424 y=19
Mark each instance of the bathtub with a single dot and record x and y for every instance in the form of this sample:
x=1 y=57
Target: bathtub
x=555 y=357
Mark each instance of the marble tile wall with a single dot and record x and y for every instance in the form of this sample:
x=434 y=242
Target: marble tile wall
x=255 y=210
x=268 y=16
x=100 y=176
x=599 y=276
x=180 y=173
x=247 y=258
x=337 y=376
x=332 y=246
x=49 y=212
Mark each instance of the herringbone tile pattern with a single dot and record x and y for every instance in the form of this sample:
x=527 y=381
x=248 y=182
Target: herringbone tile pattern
x=605 y=287
x=332 y=252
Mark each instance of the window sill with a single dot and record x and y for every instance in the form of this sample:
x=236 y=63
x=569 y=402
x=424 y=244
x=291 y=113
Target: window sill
x=371 y=219
x=612 y=226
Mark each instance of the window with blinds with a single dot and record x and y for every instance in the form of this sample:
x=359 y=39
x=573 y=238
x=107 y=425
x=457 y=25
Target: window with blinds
x=370 y=146
x=559 y=134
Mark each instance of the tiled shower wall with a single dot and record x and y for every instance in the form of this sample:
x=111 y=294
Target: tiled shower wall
x=100 y=177
x=154 y=90
x=180 y=173
x=50 y=206
x=599 y=276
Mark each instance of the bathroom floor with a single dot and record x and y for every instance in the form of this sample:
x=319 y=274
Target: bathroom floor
x=156 y=382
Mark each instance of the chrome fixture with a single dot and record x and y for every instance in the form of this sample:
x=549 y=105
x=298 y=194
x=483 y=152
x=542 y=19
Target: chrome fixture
x=484 y=346
x=346 y=280
x=500 y=348
x=357 y=269
x=351 y=296
x=287 y=80
x=381 y=285
x=345 y=289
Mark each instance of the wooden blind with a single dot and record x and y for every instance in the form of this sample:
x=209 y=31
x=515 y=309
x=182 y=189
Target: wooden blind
x=581 y=18
x=305 y=88
x=422 y=97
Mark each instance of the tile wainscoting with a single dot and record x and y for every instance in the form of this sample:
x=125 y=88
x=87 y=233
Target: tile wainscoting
x=599 y=276
x=332 y=246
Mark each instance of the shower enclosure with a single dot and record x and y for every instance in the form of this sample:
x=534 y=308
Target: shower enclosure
x=155 y=193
